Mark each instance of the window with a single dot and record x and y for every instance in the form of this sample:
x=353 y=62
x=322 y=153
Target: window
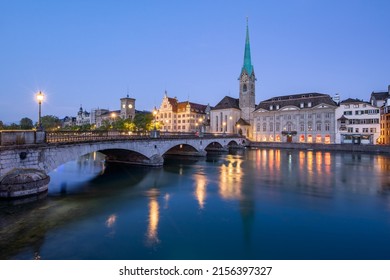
x=327 y=126
x=309 y=104
x=271 y=127
x=277 y=128
x=244 y=88
x=357 y=130
x=264 y=127
x=327 y=115
x=319 y=127
x=350 y=129
x=302 y=105
x=309 y=126
x=373 y=130
x=258 y=127
x=302 y=126
x=271 y=107
x=365 y=129
x=277 y=107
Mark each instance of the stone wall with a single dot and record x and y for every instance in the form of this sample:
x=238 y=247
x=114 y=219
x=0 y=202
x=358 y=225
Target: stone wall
x=323 y=147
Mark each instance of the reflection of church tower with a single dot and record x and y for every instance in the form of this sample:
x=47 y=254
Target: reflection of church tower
x=247 y=82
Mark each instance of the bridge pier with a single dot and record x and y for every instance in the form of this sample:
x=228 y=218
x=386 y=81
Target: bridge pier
x=20 y=182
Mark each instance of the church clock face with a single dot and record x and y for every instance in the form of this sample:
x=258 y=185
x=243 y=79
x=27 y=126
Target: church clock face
x=130 y=106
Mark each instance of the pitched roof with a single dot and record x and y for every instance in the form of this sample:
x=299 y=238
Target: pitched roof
x=383 y=95
x=353 y=100
x=296 y=100
x=227 y=103
x=242 y=122
x=182 y=106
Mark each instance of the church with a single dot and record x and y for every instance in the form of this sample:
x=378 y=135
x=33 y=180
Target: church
x=232 y=115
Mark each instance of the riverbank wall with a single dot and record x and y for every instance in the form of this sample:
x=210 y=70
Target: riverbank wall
x=383 y=149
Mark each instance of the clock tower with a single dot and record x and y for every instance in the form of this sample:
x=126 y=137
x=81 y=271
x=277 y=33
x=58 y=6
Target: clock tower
x=127 y=108
x=247 y=83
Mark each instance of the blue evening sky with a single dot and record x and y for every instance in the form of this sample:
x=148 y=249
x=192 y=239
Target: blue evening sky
x=93 y=52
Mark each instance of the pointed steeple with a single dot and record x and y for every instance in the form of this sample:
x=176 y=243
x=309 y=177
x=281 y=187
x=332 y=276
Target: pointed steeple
x=248 y=67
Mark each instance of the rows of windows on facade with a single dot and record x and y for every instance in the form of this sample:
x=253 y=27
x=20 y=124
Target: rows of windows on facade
x=302 y=118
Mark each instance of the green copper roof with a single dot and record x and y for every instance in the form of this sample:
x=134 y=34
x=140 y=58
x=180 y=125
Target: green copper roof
x=248 y=67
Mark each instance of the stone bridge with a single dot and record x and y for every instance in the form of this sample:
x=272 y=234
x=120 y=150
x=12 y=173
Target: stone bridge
x=27 y=157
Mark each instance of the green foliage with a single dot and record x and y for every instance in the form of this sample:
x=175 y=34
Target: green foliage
x=50 y=122
x=144 y=122
x=26 y=123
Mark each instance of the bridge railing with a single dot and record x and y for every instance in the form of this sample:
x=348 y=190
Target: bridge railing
x=110 y=135
x=21 y=137
x=27 y=137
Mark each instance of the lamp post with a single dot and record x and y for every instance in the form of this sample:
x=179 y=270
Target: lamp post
x=113 y=116
x=40 y=97
x=154 y=117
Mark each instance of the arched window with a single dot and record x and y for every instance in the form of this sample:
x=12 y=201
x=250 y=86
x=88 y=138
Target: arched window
x=244 y=88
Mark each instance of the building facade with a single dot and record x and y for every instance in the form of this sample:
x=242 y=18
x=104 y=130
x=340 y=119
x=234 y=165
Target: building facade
x=233 y=115
x=357 y=122
x=83 y=117
x=175 y=116
x=300 y=118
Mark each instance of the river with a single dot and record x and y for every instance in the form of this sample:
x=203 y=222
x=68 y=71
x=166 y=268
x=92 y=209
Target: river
x=253 y=204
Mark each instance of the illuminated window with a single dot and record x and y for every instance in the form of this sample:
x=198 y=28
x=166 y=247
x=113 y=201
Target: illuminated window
x=302 y=138
x=309 y=138
x=277 y=138
x=318 y=139
x=327 y=139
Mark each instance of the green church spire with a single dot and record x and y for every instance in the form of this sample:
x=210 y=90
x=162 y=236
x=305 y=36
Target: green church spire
x=248 y=67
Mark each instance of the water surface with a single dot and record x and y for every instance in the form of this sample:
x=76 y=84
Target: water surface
x=256 y=204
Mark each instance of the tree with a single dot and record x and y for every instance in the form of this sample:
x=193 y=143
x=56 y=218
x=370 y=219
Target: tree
x=2 y=126
x=50 y=122
x=143 y=122
x=26 y=123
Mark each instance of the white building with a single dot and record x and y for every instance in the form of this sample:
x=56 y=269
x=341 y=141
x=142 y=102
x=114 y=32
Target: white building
x=357 y=122
x=299 y=118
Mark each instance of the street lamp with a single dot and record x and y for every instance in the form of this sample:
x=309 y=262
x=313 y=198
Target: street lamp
x=154 y=116
x=40 y=97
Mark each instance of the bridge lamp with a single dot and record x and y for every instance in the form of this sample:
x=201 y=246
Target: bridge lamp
x=154 y=116
x=40 y=97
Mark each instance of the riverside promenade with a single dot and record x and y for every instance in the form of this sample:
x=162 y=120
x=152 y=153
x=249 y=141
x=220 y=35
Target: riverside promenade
x=385 y=149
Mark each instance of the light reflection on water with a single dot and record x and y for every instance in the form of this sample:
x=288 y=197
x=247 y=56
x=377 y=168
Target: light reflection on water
x=260 y=204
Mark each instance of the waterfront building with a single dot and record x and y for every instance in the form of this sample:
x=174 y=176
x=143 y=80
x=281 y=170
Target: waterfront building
x=302 y=118
x=381 y=99
x=83 y=117
x=232 y=115
x=357 y=122
x=175 y=116
x=127 y=111
x=127 y=108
